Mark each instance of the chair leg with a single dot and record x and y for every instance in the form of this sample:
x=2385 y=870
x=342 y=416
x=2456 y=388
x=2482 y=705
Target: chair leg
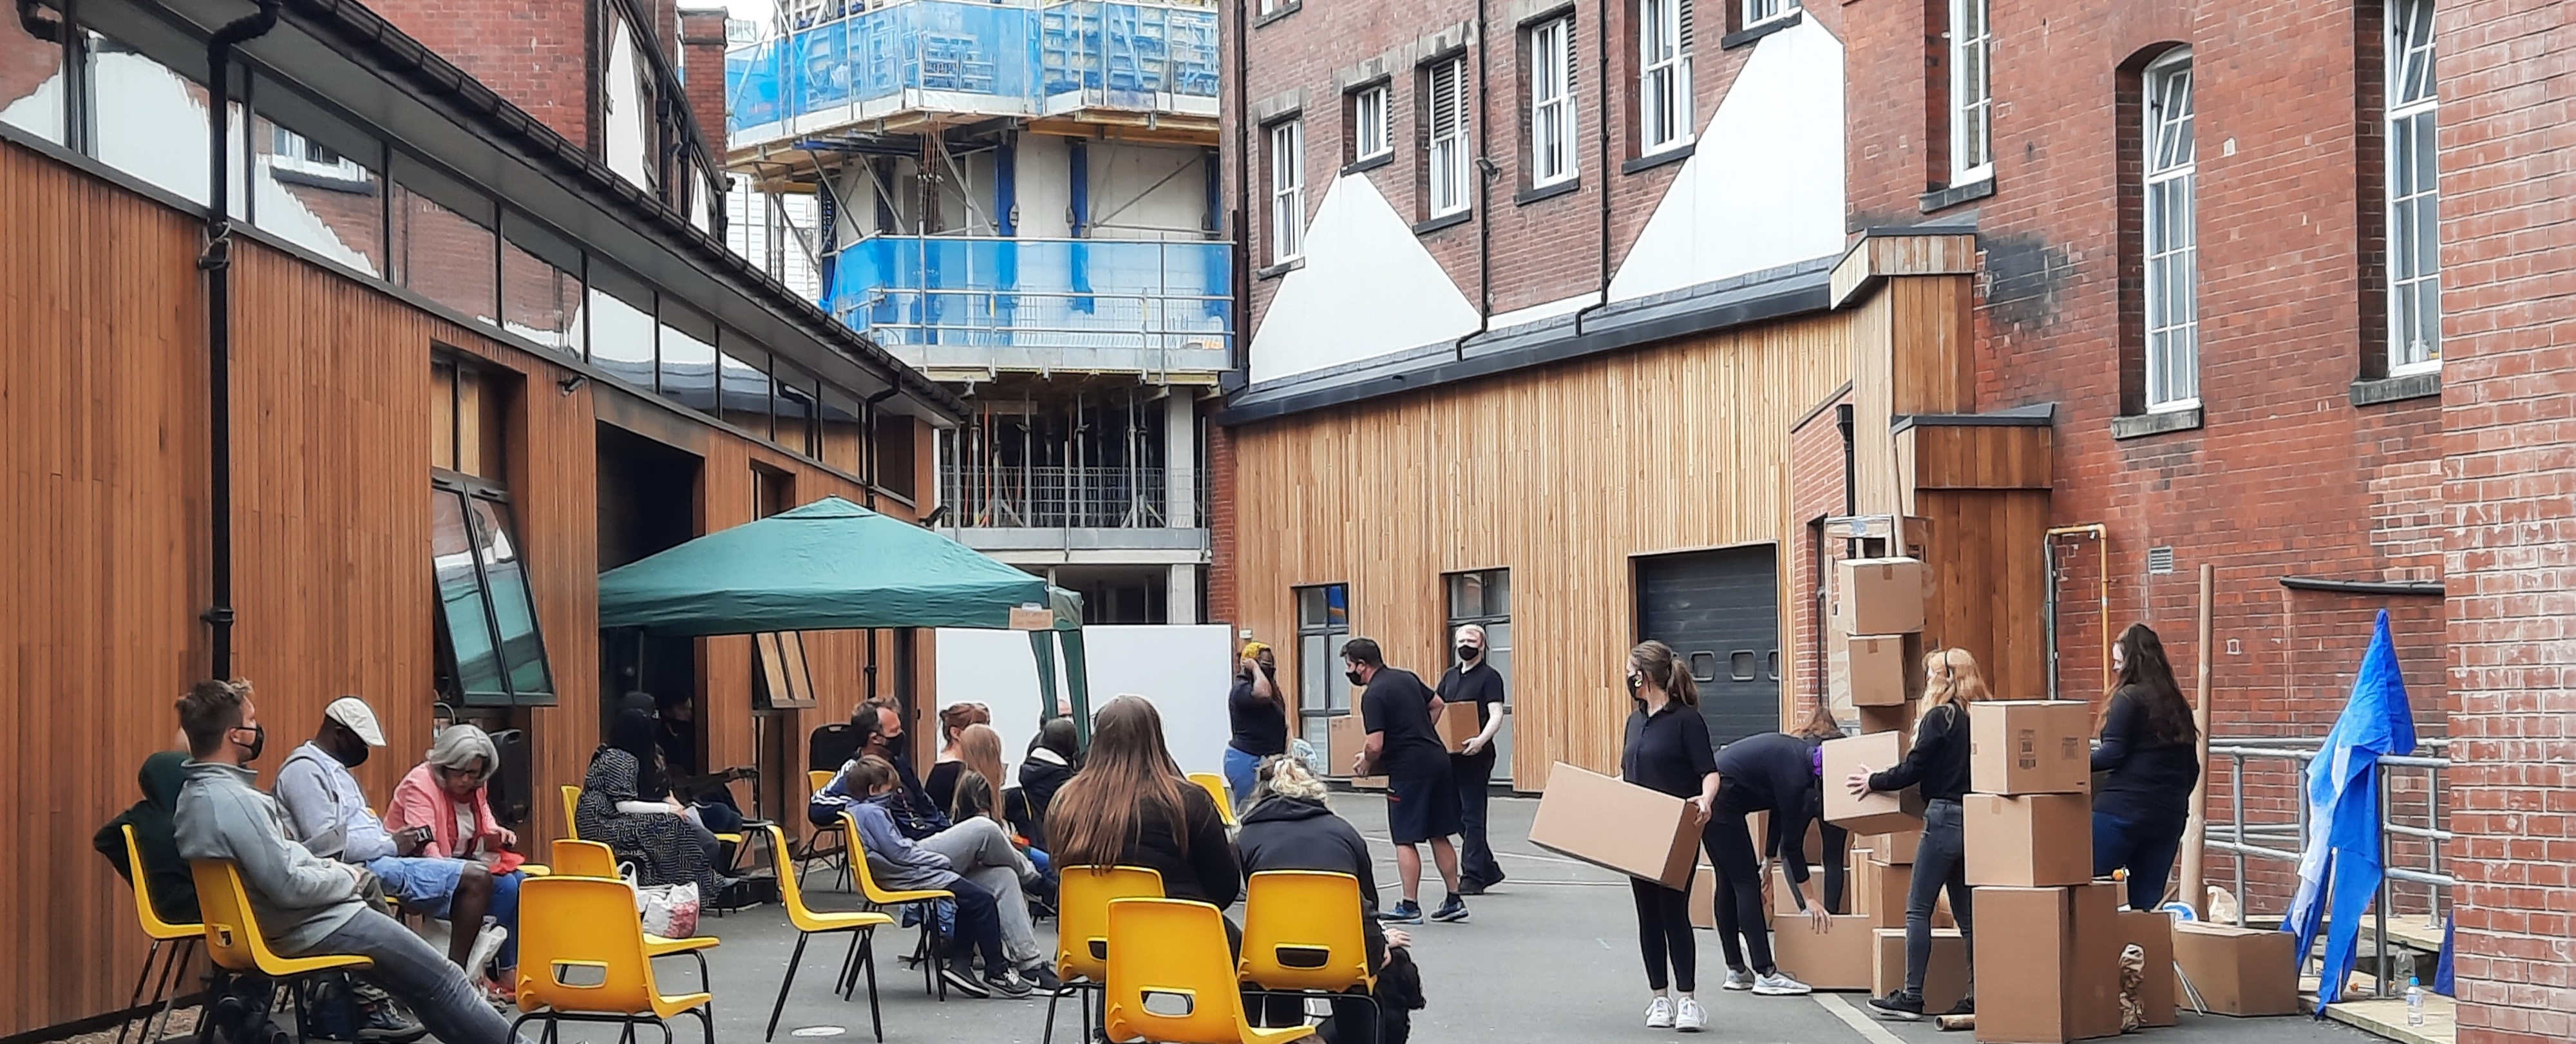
x=172 y=977
x=790 y=979
x=1049 y=1037
x=849 y=965
x=149 y=958
x=868 y=962
x=706 y=1014
x=295 y=997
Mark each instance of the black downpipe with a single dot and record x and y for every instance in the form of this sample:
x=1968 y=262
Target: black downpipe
x=1486 y=170
x=1851 y=480
x=216 y=261
x=872 y=466
x=1601 y=131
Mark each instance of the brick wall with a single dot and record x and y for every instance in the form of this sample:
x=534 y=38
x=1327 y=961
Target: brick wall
x=1221 y=605
x=539 y=54
x=702 y=47
x=2509 y=277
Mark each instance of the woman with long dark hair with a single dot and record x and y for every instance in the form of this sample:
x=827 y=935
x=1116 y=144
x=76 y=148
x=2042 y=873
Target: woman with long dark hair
x=1130 y=806
x=1938 y=764
x=1668 y=750
x=2151 y=748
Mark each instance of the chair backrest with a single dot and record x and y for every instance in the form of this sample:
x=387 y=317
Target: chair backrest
x=1172 y=950
x=1302 y=931
x=791 y=892
x=1083 y=895
x=859 y=864
x=153 y=925
x=830 y=745
x=232 y=930
x=581 y=948
x=578 y=858
x=1215 y=786
x=817 y=779
x=572 y=807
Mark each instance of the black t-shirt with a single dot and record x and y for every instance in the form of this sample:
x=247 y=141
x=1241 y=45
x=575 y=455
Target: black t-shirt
x=1399 y=705
x=1668 y=751
x=1481 y=685
x=1773 y=772
x=2150 y=781
x=1259 y=728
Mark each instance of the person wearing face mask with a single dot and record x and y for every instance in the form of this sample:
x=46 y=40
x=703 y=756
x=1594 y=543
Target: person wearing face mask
x=306 y=904
x=1258 y=715
x=329 y=813
x=882 y=734
x=1421 y=790
x=1474 y=680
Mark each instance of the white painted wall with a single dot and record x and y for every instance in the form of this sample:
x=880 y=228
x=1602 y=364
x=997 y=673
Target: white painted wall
x=1765 y=187
x=1044 y=186
x=626 y=123
x=1368 y=288
x=1186 y=671
x=1147 y=191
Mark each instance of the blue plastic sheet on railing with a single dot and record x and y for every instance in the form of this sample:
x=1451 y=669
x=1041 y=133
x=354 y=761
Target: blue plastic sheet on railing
x=1110 y=286
x=1118 y=55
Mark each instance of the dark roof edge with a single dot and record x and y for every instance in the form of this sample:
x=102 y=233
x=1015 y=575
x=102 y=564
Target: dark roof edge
x=2035 y=415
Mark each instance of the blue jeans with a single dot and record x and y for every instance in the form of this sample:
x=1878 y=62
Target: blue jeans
x=2147 y=850
x=1241 y=770
x=420 y=977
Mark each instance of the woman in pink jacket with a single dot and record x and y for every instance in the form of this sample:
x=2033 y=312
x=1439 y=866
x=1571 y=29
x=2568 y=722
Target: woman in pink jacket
x=445 y=795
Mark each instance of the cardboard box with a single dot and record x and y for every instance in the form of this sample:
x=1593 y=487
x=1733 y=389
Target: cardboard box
x=1899 y=720
x=1878 y=812
x=2035 y=841
x=1456 y=725
x=1784 y=900
x=1879 y=671
x=1945 y=977
x=1344 y=738
x=2047 y=964
x=1703 y=897
x=1878 y=892
x=2238 y=971
x=1843 y=957
x=2152 y=933
x=1878 y=596
x=2093 y=961
x=1895 y=848
x=2031 y=747
x=1617 y=825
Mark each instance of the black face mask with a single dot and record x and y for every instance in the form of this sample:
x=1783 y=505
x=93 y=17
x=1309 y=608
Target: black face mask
x=258 y=742
x=1468 y=652
x=350 y=758
x=1355 y=678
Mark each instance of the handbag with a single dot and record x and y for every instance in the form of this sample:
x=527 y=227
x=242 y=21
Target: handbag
x=669 y=911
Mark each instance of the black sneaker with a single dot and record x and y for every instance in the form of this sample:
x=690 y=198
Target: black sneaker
x=1453 y=910
x=1041 y=977
x=1006 y=985
x=961 y=977
x=1966 y=1006
x=387 y=1024
x=1901 y=1006
x=1406 y=911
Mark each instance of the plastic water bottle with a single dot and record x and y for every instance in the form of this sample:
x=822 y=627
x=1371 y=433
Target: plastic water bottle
x=2414 y=1002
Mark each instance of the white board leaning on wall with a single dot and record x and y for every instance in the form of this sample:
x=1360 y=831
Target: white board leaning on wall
x=1184 y=670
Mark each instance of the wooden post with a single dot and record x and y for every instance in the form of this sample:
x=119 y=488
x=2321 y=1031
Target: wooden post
x=2195 y=835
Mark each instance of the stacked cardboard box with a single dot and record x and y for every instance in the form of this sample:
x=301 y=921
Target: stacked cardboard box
x=2048 y=963
x=1945 y=977
x=1875 y=813
x=2239 y=971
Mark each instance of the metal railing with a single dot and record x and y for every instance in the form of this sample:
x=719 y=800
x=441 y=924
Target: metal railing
x=1056 y=497
x=2245 y=840
x=1041 y=305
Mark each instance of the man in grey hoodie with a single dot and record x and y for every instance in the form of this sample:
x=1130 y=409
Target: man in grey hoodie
x=305 y=904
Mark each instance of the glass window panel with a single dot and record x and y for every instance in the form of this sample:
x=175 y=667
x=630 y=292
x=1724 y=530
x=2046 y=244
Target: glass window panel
x=460 y=600
x=310 y=195
x=1317 y=675
x=1337 y=607
x=796 y=402
x=140 y=108
x=1498 y=651
x=844 y=437
x=445 y=256
x=746 y=396
x=523 y=647
x=540 y=301
x=688 y=370
x=621 y=326
x=32 y=96
x=1310 y=606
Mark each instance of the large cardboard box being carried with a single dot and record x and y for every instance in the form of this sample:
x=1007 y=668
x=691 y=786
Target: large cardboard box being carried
x=2238 y=971
x=2047 y=964
x=1879 y=812
x=1457 y=724
x=2031 y=747
x=1878 y=670
x=1839 y=958
x=1617 y=825
x=2152 y=933
x=1344 y=738
x=1945 y=978
x=1878 y=596
x=2036 y=841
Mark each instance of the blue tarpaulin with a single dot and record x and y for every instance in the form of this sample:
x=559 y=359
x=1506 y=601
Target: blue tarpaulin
x=2340 y=872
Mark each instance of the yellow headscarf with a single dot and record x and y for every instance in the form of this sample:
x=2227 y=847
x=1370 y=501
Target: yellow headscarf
x=1253 y=650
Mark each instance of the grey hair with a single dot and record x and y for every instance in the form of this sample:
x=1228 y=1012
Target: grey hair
x=1283 y=776
x=459 y=745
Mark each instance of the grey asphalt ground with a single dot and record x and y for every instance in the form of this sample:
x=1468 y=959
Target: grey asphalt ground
x=1549 y=956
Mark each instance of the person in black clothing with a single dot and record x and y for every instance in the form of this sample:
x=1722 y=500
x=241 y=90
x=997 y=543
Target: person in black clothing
x=1421 y=790
x=1773 y=772
x=1474 y=680
x=1259 y=715
x=1817 y=727
x=1053 y=756
x=163 y=876
x=1130 y=806
x=2151 y=748
x=1288 y=827
x=1938 y=764
x=1668 y=750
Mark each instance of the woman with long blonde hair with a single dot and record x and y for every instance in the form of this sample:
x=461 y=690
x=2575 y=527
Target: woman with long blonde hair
x=1938 y=764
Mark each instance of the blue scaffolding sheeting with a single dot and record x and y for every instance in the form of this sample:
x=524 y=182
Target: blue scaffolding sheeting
x=946 y=55
x=1036 y=293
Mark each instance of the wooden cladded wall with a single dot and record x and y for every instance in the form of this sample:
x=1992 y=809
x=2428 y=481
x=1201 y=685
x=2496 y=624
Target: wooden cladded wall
x=103 y=487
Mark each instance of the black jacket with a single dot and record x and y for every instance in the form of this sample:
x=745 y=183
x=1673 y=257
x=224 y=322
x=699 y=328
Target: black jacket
x=1938 y=760
x=165 y=875
x=2150 y=782
x=1026 y=804
x=1290 y=834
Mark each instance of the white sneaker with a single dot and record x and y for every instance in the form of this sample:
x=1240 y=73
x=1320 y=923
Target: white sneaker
x=1659 y=1013
x=1778 y=984
x=1690 y=1019
x=1737 y=979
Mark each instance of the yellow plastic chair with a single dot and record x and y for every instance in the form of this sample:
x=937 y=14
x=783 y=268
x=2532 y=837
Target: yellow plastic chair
x=809 y=923
x=1083 y=894
x=577 y=858
x=572 y=808
x=1303 y=935
x=1167 y=950
x=559 y=939
x=926 y=899
x=234 y=941
x=1214 y=784
x=182 y=937
x=815 y=781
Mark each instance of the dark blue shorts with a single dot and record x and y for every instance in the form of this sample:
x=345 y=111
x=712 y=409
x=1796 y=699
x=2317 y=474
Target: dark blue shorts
x=1419 y=808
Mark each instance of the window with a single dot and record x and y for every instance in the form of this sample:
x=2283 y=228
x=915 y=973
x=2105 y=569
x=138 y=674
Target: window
x=1371 y=134
x=2414 y=230
x=1663 y=82
x=1972 y=41
x=447 y=253
x=540 y=295
x=491 y=650
x=1445 y=95
x=1551 y=77
x=1757 y=12
x=2172 y=310
x=1287 y=191
x=335 y=209
x=1323 y=624
x=1484 y=598
x=32 y=98
x=294 y=152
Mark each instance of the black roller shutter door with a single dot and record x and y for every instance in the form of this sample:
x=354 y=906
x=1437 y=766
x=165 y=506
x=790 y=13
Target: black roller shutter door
x=1720 y=610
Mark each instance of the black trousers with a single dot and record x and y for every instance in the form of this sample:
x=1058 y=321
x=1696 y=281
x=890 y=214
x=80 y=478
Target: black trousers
x=1664 y=935
x=1476 y=863
x=1741 y=930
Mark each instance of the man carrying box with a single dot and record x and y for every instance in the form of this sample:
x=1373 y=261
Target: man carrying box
x=1421 y=791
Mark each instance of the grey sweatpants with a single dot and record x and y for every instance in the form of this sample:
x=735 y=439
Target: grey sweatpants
x=421 y=977
x=980 y=851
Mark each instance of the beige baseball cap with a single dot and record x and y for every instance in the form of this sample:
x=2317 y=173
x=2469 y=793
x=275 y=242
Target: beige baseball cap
x=360 y=718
